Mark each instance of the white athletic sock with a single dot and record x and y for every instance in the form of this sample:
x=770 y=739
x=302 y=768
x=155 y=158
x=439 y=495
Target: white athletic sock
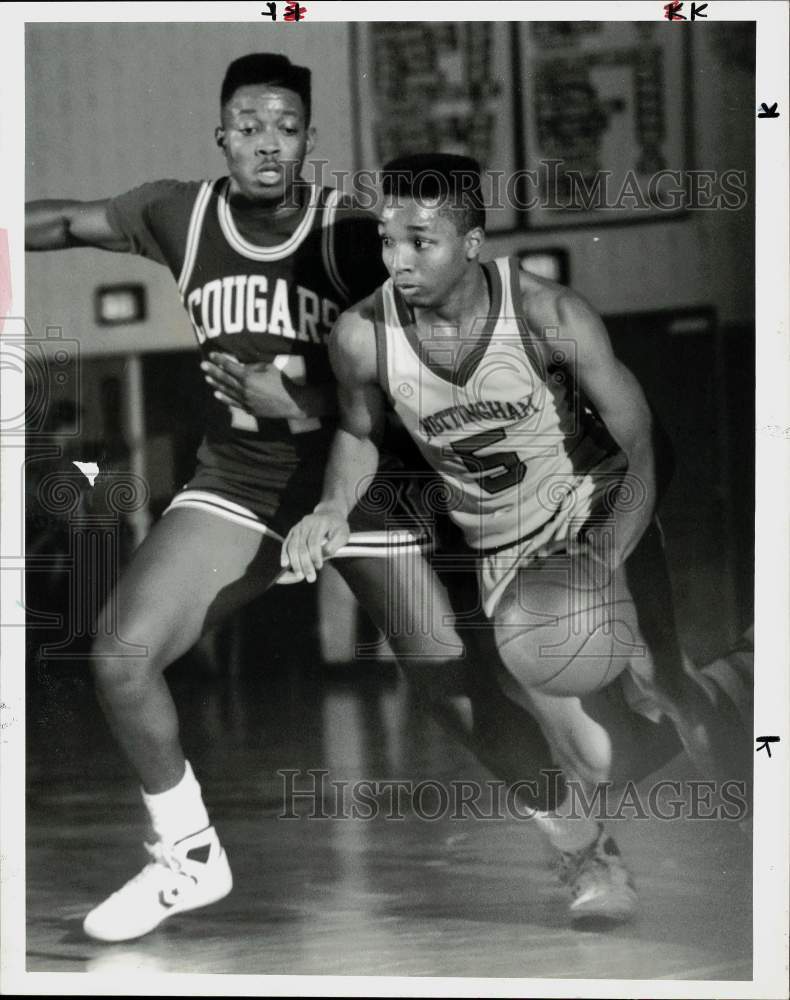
x=567 y=833
x=179 y=811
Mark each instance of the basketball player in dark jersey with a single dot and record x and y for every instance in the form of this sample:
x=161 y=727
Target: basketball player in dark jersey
x=508 y=385
x=264 y=264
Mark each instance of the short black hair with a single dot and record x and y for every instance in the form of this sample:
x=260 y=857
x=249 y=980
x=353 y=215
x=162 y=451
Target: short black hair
x=446 y=177
x=267 y=67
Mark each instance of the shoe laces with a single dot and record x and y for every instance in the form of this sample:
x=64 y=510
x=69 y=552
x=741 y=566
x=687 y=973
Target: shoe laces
x=574 y=865
x=162 y=858
x=163 y=854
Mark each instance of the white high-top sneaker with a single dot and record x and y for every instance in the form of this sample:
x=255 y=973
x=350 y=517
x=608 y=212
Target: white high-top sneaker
x=183 y=876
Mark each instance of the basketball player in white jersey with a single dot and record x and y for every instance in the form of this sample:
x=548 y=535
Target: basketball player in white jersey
x=264 y=263
x=508 y=385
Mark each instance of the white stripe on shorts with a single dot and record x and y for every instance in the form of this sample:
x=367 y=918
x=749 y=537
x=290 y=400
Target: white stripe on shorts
x=368 y=544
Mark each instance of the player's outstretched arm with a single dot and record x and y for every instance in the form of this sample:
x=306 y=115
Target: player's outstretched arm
x=58 y=225
x=354 y=455
x=620 y=402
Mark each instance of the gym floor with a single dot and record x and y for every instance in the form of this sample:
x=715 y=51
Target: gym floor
x=339 y=896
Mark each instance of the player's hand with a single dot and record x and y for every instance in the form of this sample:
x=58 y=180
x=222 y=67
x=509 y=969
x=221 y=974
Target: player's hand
x=311 y=542
x=259 y=388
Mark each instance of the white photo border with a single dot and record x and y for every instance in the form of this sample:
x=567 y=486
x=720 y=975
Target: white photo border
x=772 y=694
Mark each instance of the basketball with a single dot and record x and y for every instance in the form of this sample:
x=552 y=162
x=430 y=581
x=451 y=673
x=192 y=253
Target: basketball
x=565 y=639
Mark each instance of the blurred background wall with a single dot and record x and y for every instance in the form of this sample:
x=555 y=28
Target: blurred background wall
x=110 y=106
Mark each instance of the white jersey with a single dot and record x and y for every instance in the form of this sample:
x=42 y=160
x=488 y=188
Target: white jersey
x=522 y=459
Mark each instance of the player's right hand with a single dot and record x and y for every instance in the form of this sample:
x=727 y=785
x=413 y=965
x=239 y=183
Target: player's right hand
x=316 y=538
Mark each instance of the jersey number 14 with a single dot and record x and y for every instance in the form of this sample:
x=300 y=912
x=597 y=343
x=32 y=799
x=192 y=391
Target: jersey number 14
x=292 y=365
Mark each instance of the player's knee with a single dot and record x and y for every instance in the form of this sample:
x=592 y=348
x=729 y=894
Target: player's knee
x=124 y=668
x=122 y=682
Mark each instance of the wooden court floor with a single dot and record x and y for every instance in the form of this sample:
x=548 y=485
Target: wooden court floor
x=340 y=896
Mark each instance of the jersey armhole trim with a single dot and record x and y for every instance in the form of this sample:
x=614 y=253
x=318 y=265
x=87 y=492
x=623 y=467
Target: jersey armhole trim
x=328 y=253
x=528 y=342
x=380 y=326
x=193 y=236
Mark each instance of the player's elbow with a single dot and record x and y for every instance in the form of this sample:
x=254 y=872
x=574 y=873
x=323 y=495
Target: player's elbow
x=361 y=431
x=624 y=409
x=49 y=225
x=642 y=413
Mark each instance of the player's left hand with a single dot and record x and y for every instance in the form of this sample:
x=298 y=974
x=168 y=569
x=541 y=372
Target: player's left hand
x=309 y=543
x=259 y=388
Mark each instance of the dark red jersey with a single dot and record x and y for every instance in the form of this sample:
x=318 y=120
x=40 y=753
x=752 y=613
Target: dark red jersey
x=260 y=295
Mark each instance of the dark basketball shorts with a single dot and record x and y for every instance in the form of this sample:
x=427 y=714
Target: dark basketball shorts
x=392 y=517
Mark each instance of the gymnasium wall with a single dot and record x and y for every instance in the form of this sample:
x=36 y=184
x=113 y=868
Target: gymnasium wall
x=111 y=106
x=706 y=258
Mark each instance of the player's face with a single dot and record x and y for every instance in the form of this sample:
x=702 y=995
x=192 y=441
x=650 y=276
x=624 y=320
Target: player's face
x=265 y=140
x=423 y=251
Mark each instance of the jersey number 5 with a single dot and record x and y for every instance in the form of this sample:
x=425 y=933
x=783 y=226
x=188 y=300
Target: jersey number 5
x=513 y=468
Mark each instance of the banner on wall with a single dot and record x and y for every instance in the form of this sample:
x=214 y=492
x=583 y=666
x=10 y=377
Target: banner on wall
x=573 y=122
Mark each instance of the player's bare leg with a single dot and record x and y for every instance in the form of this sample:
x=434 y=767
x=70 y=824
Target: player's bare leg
x=565 y=662
x=191 y=572
x=565 y=635
x=563 y=639
x=499 y=731
x=412 y=608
